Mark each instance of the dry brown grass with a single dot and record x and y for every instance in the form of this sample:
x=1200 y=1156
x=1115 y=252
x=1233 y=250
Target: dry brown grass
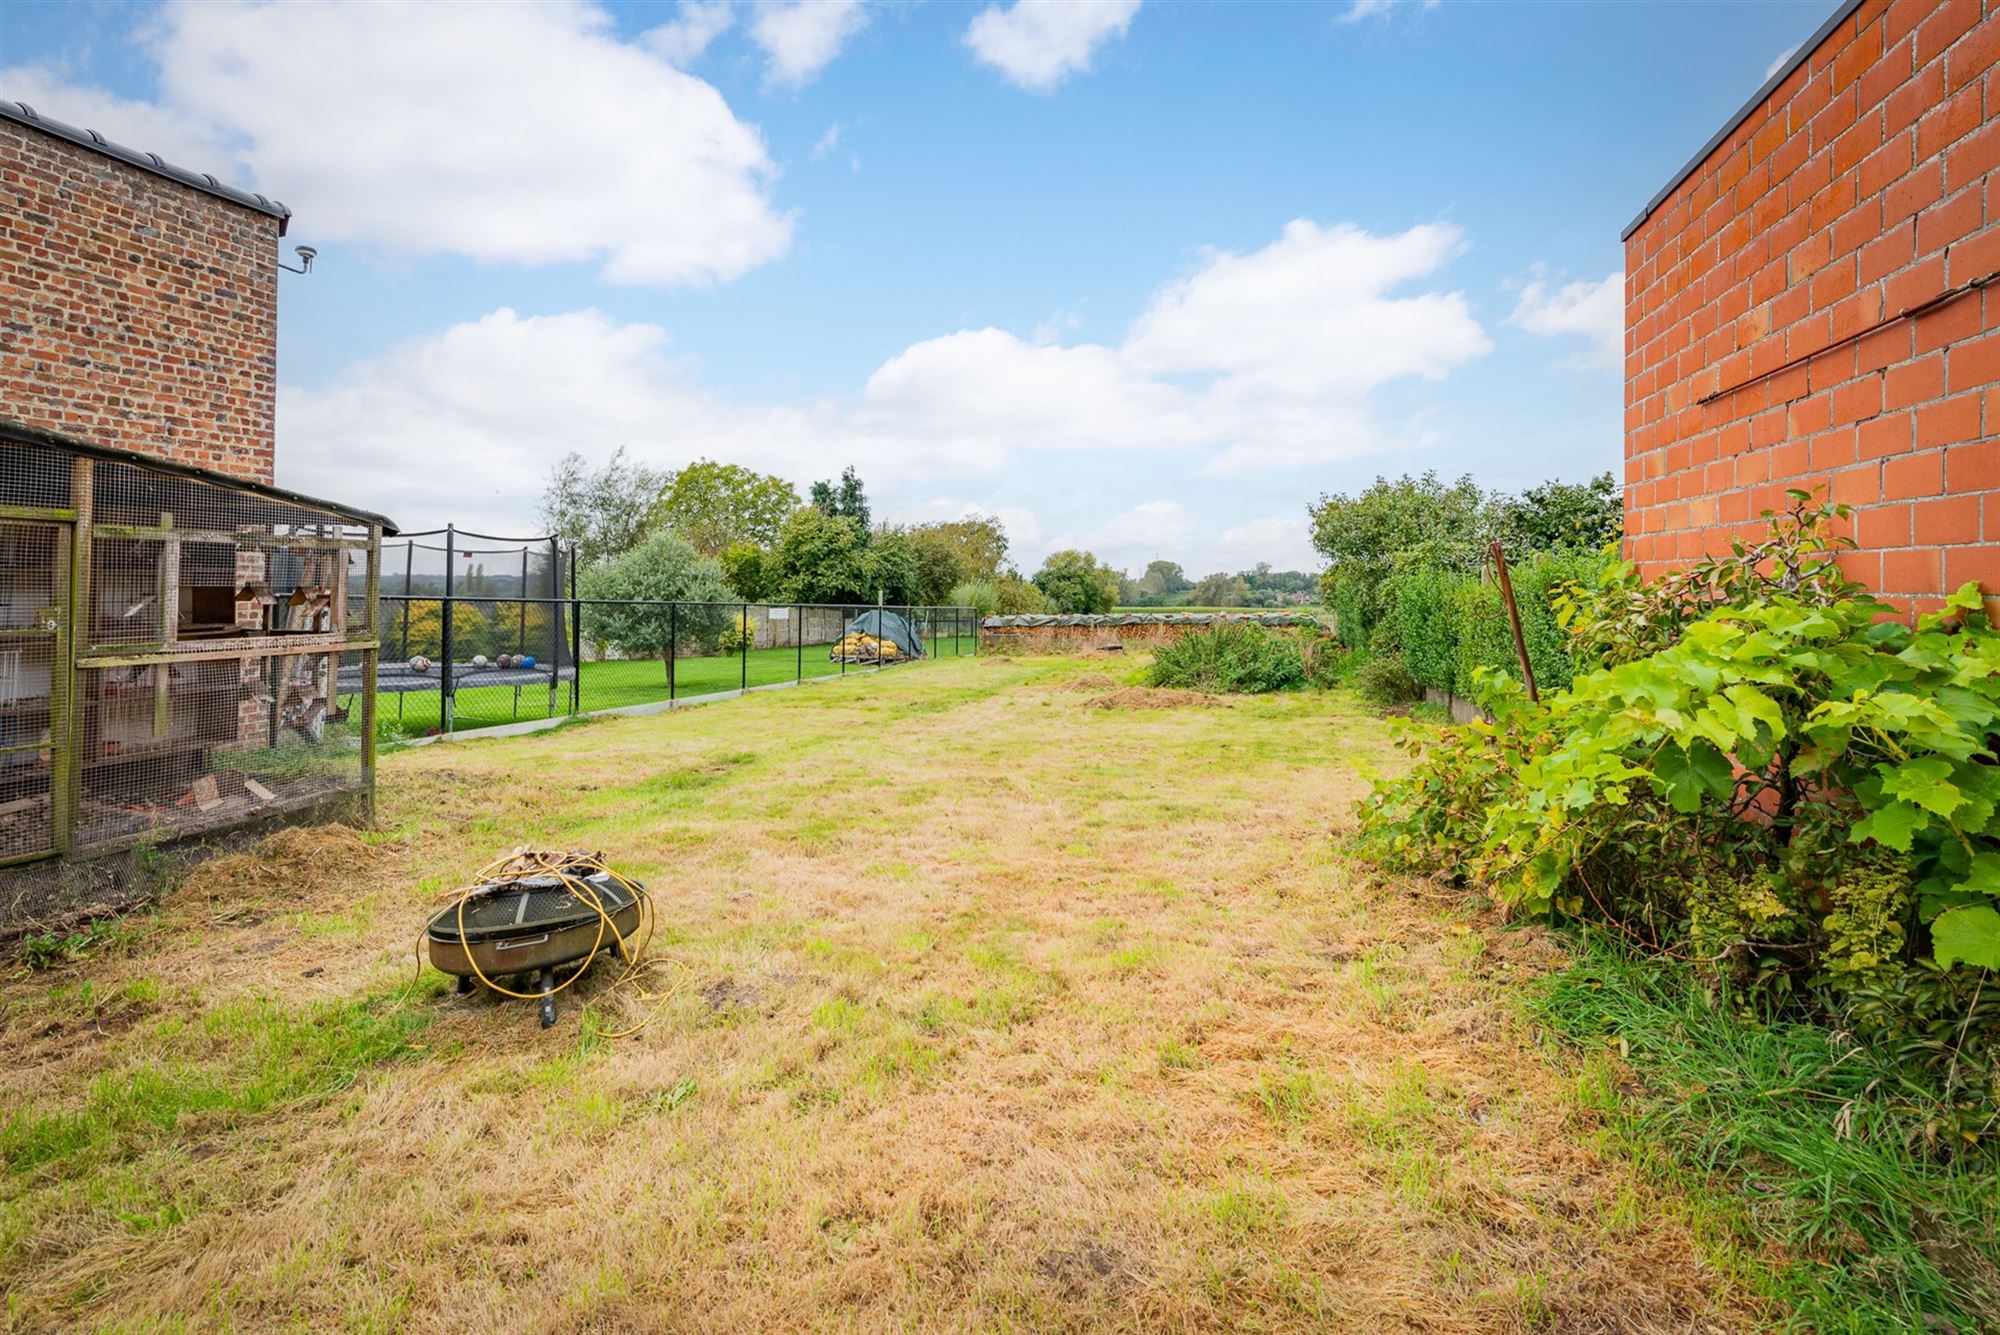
x=1001 y=1013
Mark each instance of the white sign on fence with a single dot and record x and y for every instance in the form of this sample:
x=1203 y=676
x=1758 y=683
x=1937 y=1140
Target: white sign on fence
x=779 y=614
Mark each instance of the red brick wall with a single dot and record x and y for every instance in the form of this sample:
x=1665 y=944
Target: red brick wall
x=1863 y=186
x=134 y=311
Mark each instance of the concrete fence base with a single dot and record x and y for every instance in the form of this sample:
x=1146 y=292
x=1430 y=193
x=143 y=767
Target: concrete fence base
x=1461 y=709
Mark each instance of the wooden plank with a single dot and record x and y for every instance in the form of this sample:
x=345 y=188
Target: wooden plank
x=37 y=514
x=234 y=538
x=263 y=646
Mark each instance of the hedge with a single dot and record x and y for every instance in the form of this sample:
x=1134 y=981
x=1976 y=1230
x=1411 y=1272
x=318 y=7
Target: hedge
x=1450 y=624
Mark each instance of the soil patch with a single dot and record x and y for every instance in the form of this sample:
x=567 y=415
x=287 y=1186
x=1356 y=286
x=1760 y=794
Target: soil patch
x=1158 y=697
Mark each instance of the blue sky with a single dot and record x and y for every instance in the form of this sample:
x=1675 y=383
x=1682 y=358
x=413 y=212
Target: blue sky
x=1142 y=277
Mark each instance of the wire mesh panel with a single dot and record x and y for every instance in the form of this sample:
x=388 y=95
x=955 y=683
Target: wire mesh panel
x=178 y=747
x=31 y=570
x=171 y=646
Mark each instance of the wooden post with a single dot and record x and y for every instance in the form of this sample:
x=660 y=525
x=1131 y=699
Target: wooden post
x=67 y=750
x=372 y=608
x=1514 y=619
x=169 y=577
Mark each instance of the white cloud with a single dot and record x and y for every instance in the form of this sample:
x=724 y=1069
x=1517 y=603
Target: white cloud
x=800 y=38
x=1282 y=540
x=1594 y=311
x=827 y=142
x=1381 y=9
x=1779 y=63
x=182 y=140
x=516 y=133
x=492 y=402
x=681 y=40
x=1256 y=361
x=1036 y=44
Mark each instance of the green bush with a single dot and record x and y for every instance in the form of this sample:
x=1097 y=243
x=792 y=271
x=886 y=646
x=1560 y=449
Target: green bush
x=1790 y=786
x=1384 y=680
x=1237 y=659
x=1451 y=626
x=978 y=594
x=1426 y=609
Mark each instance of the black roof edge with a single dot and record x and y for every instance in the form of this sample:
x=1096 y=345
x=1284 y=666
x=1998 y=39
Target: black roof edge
x=24 y=114
x=1757 y=99
x=22 y=433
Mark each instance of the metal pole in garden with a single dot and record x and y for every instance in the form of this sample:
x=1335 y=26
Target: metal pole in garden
x=575 y=639
x=840 y=647
x=799 y=640
x=554 y=620
x=743 y=625
x=521 y=628
x=445 y=645
x=409 y=557
x=1514 y=619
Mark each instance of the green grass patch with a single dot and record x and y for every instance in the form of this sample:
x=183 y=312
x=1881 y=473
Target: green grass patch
x=615 y=685
x=237 y=1060
x=1789 y=1134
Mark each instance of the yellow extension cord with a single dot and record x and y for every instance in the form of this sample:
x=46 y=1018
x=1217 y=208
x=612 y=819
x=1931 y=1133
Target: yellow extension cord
x=526 y=862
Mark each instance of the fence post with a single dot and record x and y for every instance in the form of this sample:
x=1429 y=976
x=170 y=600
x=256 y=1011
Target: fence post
x=840 y=645
x=799 y=640
x=743 y=648
x=673 y=647
x=445 y=646
x=575 y=639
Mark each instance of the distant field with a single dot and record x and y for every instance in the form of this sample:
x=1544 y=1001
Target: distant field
x=1315 y=611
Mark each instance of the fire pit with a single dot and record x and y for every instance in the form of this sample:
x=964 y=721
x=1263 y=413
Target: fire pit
x=532 y=914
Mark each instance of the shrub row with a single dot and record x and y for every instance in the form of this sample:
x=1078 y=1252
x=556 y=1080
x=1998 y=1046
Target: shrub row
x=1760 y=769
x=1452 y=625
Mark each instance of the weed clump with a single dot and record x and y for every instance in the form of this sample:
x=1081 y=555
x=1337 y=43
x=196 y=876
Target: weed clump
x=1242 y=659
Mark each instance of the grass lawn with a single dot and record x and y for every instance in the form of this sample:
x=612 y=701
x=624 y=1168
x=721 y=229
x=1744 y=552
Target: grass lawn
x=984 y=1006
x=612 y=685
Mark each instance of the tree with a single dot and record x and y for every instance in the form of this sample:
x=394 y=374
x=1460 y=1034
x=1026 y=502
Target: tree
x=978 y=541
x=664 y=568
x=1220 y=590
x=891 y=570
x=1162 y=580
x=744 y=568
x=845 y=500
x=1076 y=581
x=1016 y=596
x=1363 y=536
x=818 y=559
x=604 y=512
x=715 y=505
x=1575 y=515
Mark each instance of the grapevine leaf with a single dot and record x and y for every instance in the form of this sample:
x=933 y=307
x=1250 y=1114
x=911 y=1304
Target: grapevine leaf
x=1891 y=826
x=1926 y=781
x=1968 y=935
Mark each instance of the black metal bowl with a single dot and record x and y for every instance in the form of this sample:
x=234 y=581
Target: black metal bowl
x=530 y=924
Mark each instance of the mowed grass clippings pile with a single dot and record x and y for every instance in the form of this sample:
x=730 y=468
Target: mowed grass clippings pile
x=987 y=1009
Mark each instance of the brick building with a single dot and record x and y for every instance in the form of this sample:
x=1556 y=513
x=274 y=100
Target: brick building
x=1806 y=305
x=138 y=300
x=184 y=648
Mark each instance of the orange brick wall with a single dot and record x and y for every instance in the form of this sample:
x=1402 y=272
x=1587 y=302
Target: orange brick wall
x=1863 y=186
x=135 y=312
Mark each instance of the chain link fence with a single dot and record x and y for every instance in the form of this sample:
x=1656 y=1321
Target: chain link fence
x=480 y=631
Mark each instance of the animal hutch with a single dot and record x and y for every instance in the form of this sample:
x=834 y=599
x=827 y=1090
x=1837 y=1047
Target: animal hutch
x=180 y=652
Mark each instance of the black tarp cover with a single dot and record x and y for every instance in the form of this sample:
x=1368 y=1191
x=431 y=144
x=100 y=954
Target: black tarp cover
x=888 y=626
